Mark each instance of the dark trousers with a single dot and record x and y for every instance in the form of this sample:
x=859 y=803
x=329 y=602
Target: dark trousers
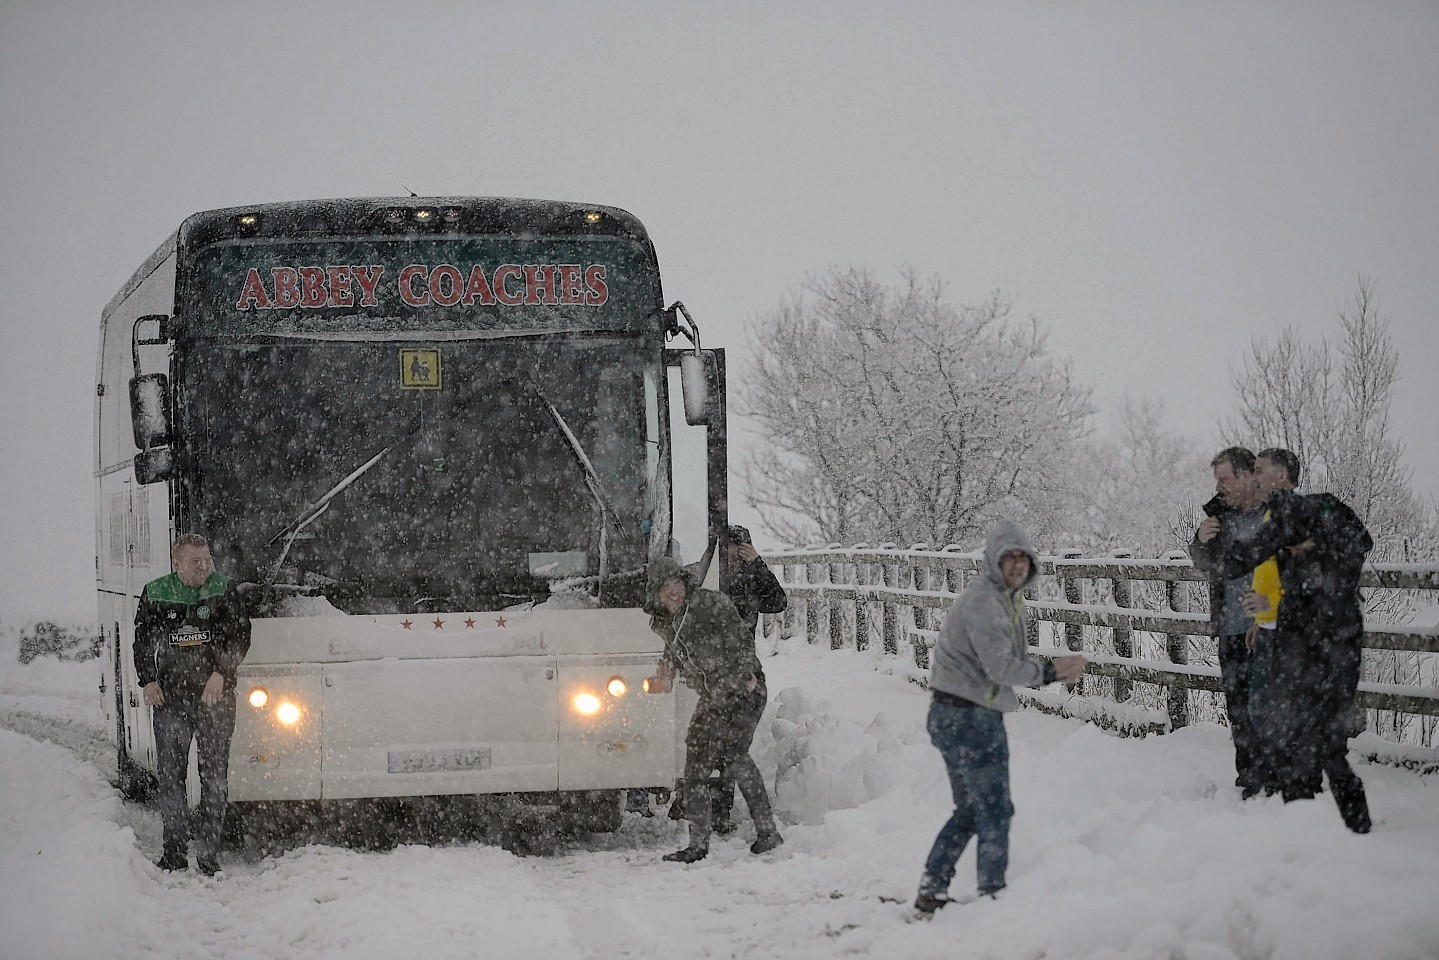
x=976 y=754
x=1308 y=709
x=719 y=737
x=176 y=723
x=1237 y=677
x=1337 y=689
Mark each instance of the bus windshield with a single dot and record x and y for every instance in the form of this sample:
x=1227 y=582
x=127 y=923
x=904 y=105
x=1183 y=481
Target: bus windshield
x=478 y=471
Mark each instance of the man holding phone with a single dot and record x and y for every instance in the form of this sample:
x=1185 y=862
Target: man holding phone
x=1235 y=513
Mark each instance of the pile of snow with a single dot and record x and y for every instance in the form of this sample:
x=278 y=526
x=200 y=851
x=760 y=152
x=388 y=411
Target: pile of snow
x=73 y=879
x=824 y=762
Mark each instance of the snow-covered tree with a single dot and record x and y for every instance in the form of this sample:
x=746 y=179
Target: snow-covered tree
x=1335 y=417
x=1138 y=488
x=888 y=413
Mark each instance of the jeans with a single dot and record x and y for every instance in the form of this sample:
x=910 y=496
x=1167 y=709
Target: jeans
x=212 y=727
x=976 y=754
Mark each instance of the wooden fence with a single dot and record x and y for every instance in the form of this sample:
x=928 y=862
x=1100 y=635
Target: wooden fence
x=1146 y=620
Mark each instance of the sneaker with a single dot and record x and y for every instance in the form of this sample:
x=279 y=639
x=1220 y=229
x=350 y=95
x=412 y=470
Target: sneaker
x=208 y=864
x=926 y=904
x=766 y=841
x=688 y=855
x=173 y=860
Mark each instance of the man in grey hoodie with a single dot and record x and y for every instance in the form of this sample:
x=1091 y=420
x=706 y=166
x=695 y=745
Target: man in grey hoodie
x=980 y=657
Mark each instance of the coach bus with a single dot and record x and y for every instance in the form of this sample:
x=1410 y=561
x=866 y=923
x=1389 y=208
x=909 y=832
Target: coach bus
x=436 y=441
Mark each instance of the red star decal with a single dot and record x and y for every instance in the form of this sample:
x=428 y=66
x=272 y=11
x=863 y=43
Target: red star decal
x=439 y=624
x=500 y=622
x=407 y=623
x=470 y=623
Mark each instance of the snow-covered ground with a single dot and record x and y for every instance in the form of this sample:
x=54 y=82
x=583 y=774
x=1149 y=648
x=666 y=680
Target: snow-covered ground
x=1122 y=848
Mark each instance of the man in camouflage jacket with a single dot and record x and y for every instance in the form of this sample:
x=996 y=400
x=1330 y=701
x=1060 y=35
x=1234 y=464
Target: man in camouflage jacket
x=707 y=643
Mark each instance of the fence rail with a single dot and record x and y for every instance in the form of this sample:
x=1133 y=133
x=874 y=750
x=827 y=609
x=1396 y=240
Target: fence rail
x=898 y=595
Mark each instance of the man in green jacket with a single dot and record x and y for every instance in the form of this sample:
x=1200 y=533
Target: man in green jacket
x=191 y=634
x=707 y=643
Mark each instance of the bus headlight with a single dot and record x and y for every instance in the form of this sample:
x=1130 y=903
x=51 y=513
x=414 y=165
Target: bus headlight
x=287 y=713
x=617 y=687
x=259 y=697
x=587 y=704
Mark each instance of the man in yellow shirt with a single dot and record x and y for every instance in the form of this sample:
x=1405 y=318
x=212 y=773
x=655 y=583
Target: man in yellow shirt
x=1272 y=471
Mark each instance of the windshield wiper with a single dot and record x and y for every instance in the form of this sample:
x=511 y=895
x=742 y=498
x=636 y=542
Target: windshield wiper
x=608 y=517
x=313 y=511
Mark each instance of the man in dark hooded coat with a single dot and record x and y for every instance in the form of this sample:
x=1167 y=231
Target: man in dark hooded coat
x=707 y=643
x=1320 y=544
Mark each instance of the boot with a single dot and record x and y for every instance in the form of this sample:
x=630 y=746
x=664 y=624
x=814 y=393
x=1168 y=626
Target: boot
x=766 y=841
x=677 y=801
x=688 y=855
x=926 y=904
x=208 y=864
x=173 y=860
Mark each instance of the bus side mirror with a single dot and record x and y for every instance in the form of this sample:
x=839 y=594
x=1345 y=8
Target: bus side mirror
x=149 y=410
x=694 y=380
x=154 y=465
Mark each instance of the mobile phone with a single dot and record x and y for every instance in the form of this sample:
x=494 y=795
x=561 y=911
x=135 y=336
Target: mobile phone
x=1216 y=506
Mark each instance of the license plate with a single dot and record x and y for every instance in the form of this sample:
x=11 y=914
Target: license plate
x=438 y=761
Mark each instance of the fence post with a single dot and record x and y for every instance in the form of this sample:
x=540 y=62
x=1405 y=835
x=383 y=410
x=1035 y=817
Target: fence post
x=1178 y=645
x=953 y=577
x=790 y=609
x=1073 y=632
x=923 y=580
x=1123 y=641
x=1031 y=624
x=835 y=573
x=811 y=606
x=916 y=612
x=861 y=606
x=889 y=610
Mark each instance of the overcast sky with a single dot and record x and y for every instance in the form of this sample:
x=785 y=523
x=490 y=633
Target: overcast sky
x=1158 y=182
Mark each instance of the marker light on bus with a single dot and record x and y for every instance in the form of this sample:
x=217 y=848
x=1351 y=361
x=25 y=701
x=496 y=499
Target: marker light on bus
x=259 y=697
x=587 y=704
x=617 y=687
x=593 y=216
x=287 y=713
x=452 y=214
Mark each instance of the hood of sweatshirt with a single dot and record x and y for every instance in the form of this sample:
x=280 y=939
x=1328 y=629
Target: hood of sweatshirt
x=1004 y=536
x=660 y=572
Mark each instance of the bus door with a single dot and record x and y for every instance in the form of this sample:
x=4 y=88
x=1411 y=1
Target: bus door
x=420 y=727
x=699 y=458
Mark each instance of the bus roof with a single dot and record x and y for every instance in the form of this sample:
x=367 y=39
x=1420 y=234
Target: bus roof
x=392 y=216
x=397 y=216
